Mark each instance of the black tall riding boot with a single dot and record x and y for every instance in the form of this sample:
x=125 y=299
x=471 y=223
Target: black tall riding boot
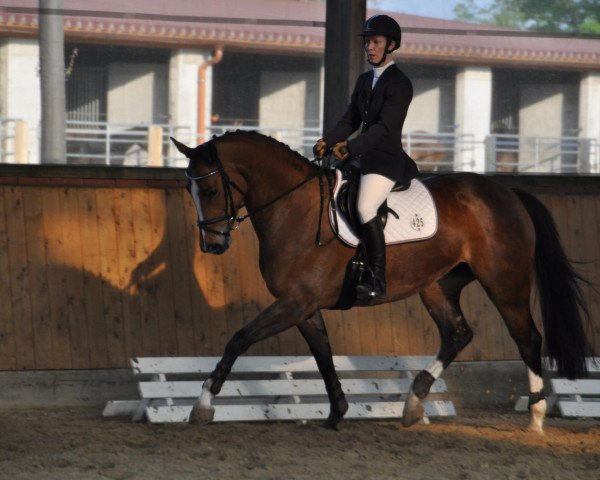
x=373 y=285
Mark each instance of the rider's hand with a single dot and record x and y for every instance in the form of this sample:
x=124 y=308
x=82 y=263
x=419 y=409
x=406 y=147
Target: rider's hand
x=320 y=148
x=341 y=151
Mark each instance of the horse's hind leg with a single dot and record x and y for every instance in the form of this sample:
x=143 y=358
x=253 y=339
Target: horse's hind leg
x=314 y=332
x=442 y=300
x=517 y=316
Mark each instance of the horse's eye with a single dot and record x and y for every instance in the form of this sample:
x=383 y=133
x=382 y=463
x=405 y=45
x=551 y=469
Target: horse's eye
x=209 y=192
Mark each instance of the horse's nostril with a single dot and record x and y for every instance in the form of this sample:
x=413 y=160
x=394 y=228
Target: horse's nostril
x=215 y=248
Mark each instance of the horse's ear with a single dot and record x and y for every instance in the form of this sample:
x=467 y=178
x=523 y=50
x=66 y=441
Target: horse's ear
x=187 y=151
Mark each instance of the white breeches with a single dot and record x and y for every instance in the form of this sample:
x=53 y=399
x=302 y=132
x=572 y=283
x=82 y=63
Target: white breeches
x=373 y=191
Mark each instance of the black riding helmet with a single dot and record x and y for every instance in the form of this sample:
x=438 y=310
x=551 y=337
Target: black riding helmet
x=386 y=26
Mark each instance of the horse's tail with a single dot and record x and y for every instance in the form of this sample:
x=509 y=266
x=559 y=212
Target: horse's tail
x=562 y=303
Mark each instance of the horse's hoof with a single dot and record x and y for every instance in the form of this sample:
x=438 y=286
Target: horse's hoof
x=332 y=424
x=535 y=427
x=410 y=419
x=413 y=410
x=201 y=415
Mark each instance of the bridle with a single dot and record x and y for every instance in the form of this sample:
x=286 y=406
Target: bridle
x=231 y=211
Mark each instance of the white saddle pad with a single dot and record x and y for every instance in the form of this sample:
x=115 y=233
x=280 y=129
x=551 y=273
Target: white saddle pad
x=417 y=215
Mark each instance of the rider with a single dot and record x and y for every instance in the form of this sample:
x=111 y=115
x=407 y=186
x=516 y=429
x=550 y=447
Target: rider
x=378 y=106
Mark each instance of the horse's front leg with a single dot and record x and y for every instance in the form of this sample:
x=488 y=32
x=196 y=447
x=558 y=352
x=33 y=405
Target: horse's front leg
x=279 y=316
x=314 y=332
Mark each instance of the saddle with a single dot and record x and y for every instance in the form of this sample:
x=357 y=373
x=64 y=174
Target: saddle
x=348 y=195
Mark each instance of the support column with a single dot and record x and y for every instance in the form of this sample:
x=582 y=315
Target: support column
x=473 y=116
x=589 y=117
x=52 y=73
x=20 y=90
x=183 y=90
x=344 y=55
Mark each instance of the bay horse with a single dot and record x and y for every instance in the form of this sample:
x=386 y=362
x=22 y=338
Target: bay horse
x=486 y=232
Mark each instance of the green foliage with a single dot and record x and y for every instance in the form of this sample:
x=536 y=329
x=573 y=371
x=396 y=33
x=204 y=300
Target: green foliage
x=569 y=16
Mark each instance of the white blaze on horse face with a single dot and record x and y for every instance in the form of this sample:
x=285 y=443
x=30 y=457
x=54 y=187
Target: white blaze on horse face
x=195 y=192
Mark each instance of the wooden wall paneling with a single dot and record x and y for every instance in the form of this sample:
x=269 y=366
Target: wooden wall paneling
x=181 y=264
x=414 y=327
x=200 y=308
x=367 y=327
x=19 y=278
x=383 y=333
x=37 y=261
x=595 y=253
x=109 y=263
x=57 y=265
x=92 y=278
x=399 y=333
x=149 y=259
x=336 y=326
x=352 y=341
x=75 y=309
x=234 y=311
x=211 y=283
x=163 y=287
x=128 y=260
x=8 y=359
x=584 y=231
x=248 y=268
x=79 y=267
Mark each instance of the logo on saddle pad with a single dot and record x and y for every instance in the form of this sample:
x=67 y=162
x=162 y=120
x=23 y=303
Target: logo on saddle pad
x=414 y=215
x=417 y=223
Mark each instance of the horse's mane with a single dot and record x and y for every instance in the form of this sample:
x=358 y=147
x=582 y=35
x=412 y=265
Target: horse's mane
x=285 y=148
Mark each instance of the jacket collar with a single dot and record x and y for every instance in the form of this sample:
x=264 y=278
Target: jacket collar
x=385 y=76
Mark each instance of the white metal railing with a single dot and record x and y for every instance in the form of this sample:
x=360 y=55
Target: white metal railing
x=508 y=152
x=441 y=151
x=118 y=143
x=7 y=138
x=127 y=144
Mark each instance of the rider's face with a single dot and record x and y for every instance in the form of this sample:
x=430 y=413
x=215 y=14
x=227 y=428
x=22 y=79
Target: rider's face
x=375 y=48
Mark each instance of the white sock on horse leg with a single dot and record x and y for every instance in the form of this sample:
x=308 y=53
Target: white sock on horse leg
x=538 y=409
x=206 y=396
x=436 y=369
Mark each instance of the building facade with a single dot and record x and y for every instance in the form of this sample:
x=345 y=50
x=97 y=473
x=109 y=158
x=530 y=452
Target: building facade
x=484 y=98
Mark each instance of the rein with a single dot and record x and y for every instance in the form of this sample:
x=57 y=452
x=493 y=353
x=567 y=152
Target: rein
x=230 y=214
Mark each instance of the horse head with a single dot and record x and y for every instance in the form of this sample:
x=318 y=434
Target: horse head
x=216 y=196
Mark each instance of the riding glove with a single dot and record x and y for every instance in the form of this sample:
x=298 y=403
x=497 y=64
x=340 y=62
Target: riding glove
x=320 y=148
x=341 y=151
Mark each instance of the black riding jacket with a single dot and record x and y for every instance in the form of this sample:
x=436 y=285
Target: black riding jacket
x=380 y=114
